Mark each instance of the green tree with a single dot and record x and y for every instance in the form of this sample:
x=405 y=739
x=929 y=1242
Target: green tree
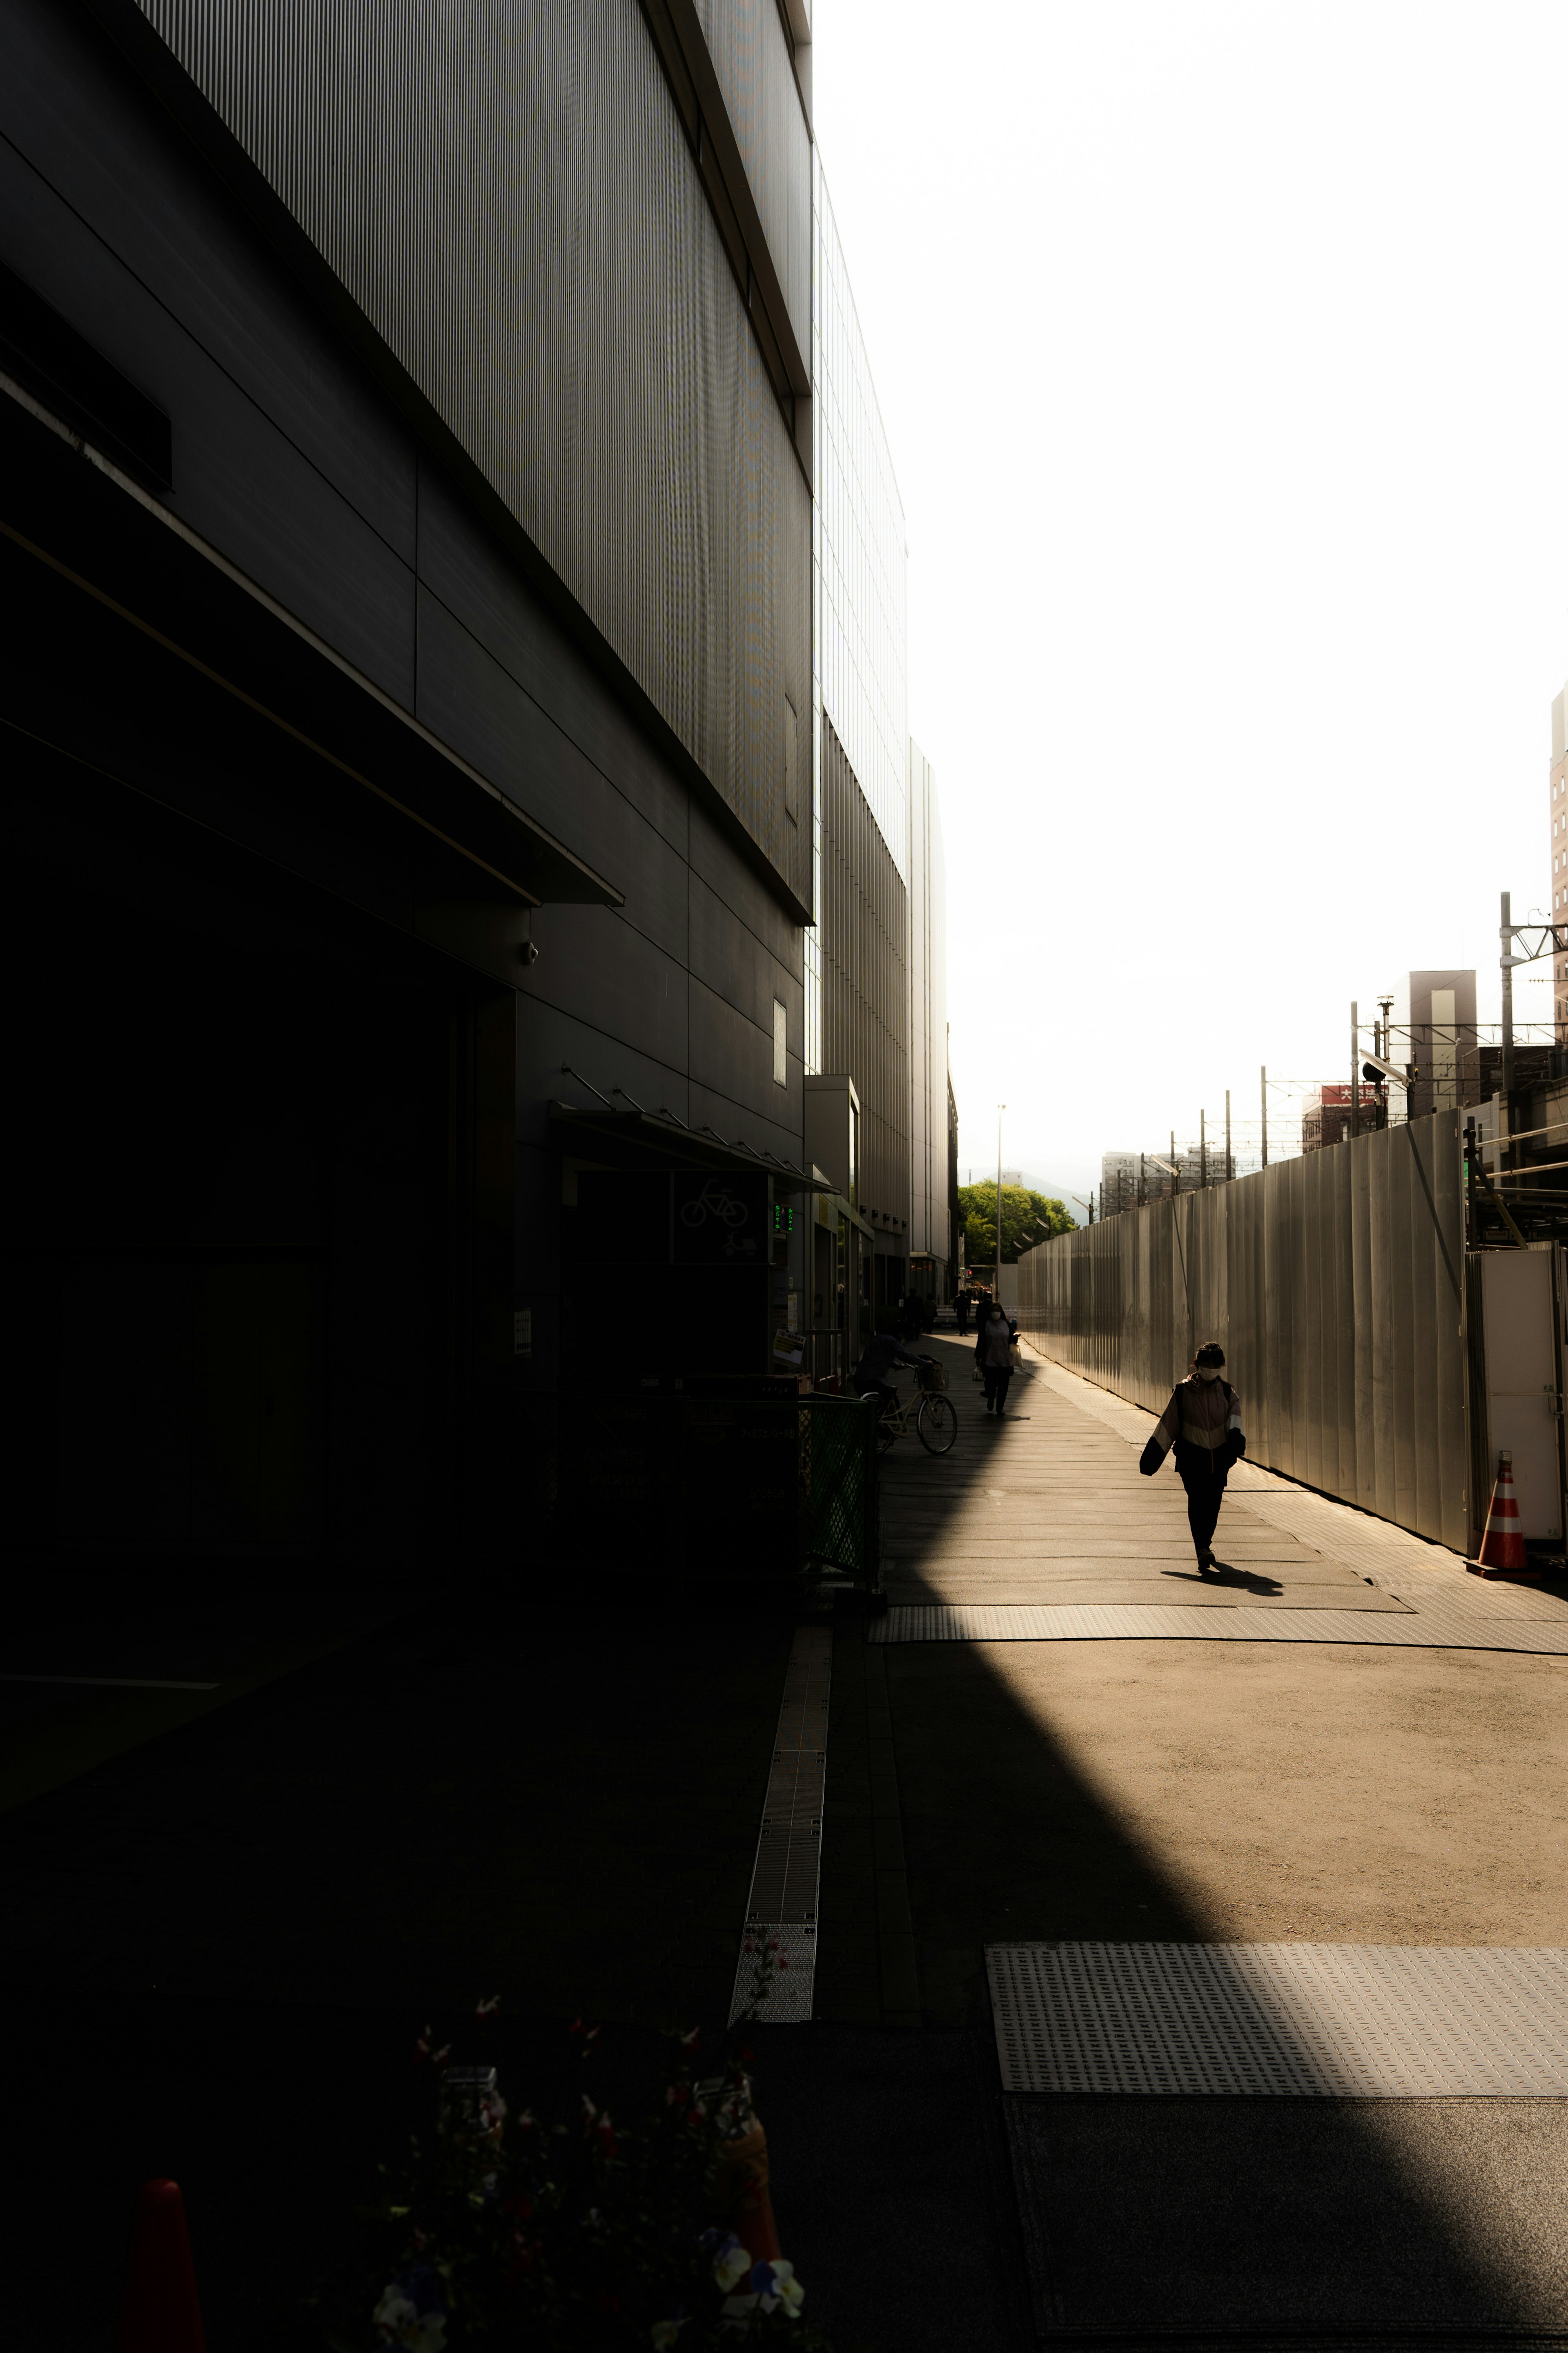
x=1024 y=1215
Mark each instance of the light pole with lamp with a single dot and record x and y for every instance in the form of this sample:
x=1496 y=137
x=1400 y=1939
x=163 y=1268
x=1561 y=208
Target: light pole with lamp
x=1000 y=1109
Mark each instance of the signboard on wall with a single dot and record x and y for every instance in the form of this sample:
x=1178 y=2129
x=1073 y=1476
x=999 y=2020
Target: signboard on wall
x=721 y=1220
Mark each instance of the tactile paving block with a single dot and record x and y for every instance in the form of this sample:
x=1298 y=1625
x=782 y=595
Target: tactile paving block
x=1326 y=2021
x=1433 y=1625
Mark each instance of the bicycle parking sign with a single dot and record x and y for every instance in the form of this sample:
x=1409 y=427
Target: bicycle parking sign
x=721 y=1219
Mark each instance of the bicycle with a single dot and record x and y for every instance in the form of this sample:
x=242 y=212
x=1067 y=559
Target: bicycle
x=935 y=1419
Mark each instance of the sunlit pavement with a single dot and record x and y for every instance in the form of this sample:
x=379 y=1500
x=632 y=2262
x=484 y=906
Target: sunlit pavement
x=1224 y=1791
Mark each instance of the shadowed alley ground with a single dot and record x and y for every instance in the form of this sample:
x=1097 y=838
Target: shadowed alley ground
x=223 y=1930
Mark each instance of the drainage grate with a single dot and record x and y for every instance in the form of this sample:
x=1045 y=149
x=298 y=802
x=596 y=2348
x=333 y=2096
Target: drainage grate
x=787 y=1871
x=1326 y=2021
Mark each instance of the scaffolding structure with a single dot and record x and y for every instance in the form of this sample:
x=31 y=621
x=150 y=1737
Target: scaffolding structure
x=1446 y=1069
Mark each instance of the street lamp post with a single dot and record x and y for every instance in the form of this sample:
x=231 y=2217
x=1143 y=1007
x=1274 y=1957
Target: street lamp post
x=1000 y=1109
x=1509 y=960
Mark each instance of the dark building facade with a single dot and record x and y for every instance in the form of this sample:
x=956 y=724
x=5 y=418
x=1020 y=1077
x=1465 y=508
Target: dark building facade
x=866 y=1003
x=408 y=533
x=860 y=960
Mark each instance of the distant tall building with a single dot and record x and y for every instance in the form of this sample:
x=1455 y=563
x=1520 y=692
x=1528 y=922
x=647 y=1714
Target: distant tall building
x=1118 y=1181
x=1558 y=781
x=931 y=1209
x=1434 y=1025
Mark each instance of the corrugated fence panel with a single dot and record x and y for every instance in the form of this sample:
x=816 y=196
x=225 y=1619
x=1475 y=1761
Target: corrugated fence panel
x=1335 y=1284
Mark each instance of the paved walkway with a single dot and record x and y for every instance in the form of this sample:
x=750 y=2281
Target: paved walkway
x=1043 y=1529
x=1339 y=1743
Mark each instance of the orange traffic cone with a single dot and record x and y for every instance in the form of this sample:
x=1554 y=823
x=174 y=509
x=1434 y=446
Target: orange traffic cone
x=158 y=2311
x=1502 y=1545
x=744 y=2176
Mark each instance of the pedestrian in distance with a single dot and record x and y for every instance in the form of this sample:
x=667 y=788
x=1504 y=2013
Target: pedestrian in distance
x=1202 y=1422
x=961 y=1308
x=993 y=1355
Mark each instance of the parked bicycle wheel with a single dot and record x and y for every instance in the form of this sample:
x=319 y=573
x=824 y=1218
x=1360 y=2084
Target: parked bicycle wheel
x=887 y=1421
x=936 y=1424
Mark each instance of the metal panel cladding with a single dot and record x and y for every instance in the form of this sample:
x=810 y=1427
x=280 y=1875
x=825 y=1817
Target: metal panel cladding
x=862 y=562
x=750 y=50
x=1335 y=1283
x=864 y=922
x=930 y=1208
x=507 y=194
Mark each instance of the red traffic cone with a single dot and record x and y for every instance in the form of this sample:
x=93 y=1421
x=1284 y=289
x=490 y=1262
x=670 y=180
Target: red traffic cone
x=1502 y=1545
x=158 y=2311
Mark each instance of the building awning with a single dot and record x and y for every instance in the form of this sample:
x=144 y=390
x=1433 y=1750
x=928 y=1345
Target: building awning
x=123 y=620
x=653 y=1139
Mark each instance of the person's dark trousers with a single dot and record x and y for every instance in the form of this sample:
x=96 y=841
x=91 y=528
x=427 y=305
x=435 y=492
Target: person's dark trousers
x=997 y=1379
x=1203 y=1475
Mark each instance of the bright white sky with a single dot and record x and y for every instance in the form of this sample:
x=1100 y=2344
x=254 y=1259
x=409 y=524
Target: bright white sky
x=1224 y=353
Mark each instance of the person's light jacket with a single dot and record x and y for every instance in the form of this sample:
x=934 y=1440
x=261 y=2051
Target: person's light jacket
x=1201 y=1413
x=993 y=1346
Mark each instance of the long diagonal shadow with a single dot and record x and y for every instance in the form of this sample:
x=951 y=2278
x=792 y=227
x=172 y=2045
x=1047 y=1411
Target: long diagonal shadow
x=1261 y=2218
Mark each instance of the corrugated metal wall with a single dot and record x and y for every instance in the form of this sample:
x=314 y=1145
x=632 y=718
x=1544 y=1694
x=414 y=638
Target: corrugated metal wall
x=1335 y=1283
x=751 y=54
x=865 y=982
x=508 y=194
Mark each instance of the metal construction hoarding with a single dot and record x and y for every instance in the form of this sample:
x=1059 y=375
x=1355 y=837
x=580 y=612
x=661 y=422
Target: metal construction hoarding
x=1335 y=1284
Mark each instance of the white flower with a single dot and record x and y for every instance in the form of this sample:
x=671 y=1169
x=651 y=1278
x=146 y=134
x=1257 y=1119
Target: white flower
x=730 y=2264
x=776 y=2284
x=401 y=2323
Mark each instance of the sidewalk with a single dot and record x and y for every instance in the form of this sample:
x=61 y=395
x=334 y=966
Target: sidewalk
x=1095 y=1745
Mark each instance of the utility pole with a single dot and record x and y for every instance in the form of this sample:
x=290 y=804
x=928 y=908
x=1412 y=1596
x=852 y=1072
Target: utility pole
x=1142 y=1182
x=1000 y=1109
x=1263 y=1084
x=1176 y=1167
x=1508 y=995
x=1356 y=1070
x=1229 y=1164
x=1202 y=1154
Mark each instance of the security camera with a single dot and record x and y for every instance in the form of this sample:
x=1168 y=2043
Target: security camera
x=528 y=951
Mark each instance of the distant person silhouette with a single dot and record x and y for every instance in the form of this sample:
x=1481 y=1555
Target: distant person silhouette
x=993 y=1355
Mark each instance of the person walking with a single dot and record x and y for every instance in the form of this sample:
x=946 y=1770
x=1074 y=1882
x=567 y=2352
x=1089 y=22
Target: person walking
x=1202 y=1422
x=960 y=1307
x=993 y=1355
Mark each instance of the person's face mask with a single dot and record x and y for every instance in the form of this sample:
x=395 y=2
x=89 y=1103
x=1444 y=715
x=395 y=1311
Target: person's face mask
x=1209 y=1372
